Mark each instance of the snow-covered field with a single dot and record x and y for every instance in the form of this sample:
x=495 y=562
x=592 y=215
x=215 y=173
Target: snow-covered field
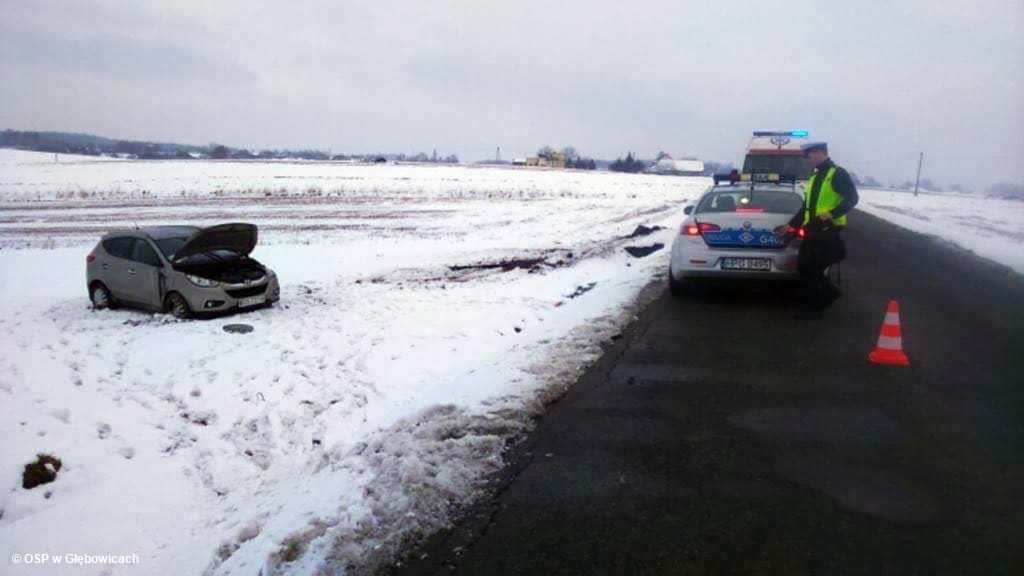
x=989 y=227
x=379 y=393
x=426 y=315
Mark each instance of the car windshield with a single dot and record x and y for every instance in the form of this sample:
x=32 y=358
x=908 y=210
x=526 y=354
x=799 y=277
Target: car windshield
x=753 y=201
x=170 y=246
x=794 y=165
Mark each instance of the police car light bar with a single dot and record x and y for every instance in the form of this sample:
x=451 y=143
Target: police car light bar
x=793 y=133
x=755 y=178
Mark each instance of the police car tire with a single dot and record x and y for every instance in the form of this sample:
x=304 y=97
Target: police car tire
x=679 y=290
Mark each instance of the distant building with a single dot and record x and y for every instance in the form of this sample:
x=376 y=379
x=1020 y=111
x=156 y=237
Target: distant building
x=554 y=160
x=669 y=166
x=519 y=161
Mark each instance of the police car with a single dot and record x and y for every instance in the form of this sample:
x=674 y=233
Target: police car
x=731 y=232
x=777 y=153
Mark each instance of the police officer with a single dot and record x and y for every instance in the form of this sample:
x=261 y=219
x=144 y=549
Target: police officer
x=830 y=195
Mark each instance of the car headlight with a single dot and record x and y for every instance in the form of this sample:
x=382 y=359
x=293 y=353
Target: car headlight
x=202 y=282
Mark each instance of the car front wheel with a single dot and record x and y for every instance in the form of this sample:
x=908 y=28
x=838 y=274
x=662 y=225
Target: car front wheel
x=177 y=306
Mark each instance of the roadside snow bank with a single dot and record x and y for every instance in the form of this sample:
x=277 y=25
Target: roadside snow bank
x=990 y=227
x=424 y=321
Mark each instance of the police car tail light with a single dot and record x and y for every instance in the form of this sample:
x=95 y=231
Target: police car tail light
x=798 y=232
x=698 y=229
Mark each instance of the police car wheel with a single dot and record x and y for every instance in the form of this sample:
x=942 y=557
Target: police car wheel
x=679 y=290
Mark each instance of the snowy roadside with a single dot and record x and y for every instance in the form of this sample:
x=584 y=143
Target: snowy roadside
x=990 y=227
x=425 y=318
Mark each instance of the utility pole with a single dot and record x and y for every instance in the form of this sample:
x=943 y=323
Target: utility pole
x=920 y=160
x=497 y=155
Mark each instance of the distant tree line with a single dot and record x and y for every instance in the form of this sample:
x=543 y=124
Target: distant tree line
x=1007 y=190
x=581 y=163
x=89 y=145
x=629 y=164
x=423 y=158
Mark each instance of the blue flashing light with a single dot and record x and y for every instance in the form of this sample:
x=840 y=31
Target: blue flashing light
x=800 y=133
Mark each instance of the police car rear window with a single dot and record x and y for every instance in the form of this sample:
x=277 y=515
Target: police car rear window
x=772 y=202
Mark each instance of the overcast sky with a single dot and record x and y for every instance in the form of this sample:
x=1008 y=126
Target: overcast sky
x=880 y=81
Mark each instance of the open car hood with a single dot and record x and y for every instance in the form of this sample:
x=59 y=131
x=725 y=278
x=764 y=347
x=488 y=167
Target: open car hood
x=238 y=238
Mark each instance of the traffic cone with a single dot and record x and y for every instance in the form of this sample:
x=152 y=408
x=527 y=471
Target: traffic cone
x=890 y=342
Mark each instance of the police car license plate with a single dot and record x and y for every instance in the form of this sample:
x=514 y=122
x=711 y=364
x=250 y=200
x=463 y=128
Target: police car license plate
x=758 y=264
x=251 y=301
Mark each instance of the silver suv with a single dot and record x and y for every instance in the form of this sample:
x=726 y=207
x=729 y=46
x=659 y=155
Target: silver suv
x=180 y=269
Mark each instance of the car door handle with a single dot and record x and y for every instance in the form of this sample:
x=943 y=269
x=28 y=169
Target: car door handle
x=106 y=266
x=131 y=271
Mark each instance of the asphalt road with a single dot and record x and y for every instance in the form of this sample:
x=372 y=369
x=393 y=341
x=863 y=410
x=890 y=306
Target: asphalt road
x=722 y=436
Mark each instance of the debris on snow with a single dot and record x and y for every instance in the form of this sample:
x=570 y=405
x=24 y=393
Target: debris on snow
x=581 y=290
x=42 y=471
x=642 y=230
x=530 y=264
x=641 y=251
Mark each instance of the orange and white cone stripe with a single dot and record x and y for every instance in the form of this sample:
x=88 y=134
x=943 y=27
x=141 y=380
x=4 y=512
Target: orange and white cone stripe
x=890 y=341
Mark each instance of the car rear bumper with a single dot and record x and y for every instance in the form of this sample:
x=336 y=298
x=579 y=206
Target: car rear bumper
x=693 y=258
x=736 y=275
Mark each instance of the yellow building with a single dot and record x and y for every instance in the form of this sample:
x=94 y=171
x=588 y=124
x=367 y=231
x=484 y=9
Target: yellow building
x=556 y=160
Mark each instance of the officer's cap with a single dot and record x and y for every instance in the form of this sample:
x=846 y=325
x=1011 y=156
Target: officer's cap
x=812 y=146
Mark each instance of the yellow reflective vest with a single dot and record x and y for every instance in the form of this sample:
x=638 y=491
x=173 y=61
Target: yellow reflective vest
x=827 y=197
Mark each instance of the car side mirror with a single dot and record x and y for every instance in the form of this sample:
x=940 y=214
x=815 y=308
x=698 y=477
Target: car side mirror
x=688 y=210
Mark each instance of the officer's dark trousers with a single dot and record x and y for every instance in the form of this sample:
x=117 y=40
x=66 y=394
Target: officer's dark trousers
x=816 y=290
